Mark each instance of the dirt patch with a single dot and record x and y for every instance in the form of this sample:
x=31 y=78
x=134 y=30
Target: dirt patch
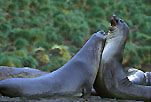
x=64 y=99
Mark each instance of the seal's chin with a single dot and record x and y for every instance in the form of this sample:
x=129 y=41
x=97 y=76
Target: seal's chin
x=112 y=28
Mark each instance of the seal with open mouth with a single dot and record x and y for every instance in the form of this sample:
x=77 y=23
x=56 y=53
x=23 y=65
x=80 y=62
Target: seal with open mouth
x=75 y=76
x=111 y=80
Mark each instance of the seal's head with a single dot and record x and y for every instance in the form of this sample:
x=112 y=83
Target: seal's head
x=118 y=26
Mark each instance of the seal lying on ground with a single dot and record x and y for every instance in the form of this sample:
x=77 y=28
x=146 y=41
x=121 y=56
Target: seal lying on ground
x=13 y=72
x=139 y=77
x=75 y=76
x=111 y=80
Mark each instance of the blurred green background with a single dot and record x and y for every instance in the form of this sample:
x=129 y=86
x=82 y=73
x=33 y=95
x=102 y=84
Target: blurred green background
x=45 y=34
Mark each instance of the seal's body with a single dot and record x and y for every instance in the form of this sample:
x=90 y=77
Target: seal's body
x=111 y=80
x=139 y=77
x=136 y=76
x=76 y=75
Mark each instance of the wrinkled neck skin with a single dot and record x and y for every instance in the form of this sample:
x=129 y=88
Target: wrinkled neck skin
x=117 y=38
x=114 y=50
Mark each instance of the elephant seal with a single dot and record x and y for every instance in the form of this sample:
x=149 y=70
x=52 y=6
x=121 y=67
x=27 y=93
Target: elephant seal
x=139 y=77
x=111 y=80
x=77 y=75
x=136 y=76
x=13 y=72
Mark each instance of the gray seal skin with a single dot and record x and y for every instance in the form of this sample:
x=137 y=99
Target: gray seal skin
x=75 y=76
x=136 y=76
x=139 y=77
x=111 y=80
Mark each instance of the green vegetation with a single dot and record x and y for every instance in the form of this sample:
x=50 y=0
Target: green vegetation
x=45 y=34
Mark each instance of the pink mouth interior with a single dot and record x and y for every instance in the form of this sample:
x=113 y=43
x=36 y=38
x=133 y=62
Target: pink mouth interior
x=113 y=23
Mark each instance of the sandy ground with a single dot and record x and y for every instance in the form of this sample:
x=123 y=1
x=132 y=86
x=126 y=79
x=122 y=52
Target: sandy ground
x=64 y=99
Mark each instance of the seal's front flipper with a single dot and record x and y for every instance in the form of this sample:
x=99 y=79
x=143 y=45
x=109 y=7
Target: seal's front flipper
x=86 y=93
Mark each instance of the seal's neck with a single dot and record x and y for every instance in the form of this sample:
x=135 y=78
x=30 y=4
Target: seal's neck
x=91 y=49
x=115 y=44
x=90 y=52
x=117 y=36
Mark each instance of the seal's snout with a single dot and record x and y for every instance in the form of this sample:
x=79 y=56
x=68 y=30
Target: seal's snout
x=114 y=20
x=101 y=34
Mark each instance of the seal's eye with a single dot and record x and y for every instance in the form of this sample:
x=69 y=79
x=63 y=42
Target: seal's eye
x=121 y=21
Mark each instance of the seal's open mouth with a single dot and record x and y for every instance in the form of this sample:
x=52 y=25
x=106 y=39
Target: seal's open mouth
x=113 y=25
x=113 y=22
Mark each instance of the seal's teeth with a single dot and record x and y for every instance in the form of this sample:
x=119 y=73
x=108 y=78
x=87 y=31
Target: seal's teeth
x=113 y=23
